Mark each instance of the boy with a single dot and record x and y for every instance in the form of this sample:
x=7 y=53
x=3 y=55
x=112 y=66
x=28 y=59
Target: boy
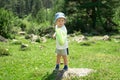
x=61 y=50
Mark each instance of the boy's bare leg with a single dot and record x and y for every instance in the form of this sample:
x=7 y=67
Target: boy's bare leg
x=65 y=63
x=65 y=60
x=58 y=59
x=57 y=62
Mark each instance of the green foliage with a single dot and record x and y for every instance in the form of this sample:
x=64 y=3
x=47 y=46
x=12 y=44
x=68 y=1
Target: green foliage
x=25 y=7
x=6 y=23
x=59 y=5
x=91 y=16
x=116 y=17
x=4 y=51
x=41 y=16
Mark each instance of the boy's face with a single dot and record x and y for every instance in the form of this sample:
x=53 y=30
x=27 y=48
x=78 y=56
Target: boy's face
x=60 y=22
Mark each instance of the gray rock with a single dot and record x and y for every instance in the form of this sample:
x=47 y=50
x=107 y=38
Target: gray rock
x=43 y=39
x=78 y=72
x=17 y=42
x=24 y=47
x=34 y=37
x=106 y=37
x=79 y=38
x=22 y=33
x=73 y=72
x=2 y=39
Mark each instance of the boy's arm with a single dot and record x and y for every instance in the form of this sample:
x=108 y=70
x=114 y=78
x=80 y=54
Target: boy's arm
x=54 y=35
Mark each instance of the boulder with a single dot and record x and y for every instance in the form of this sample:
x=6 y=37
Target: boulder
x=73 y=72
x=24 y=47
x=2 y=39
x=22 y=32
x=17 y=42
x=77 y=72
x=106 y=38
x=34 y=37
x=43 y=39
x=79 y=38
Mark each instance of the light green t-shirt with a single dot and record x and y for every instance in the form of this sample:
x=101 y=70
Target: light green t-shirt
x=58 y=45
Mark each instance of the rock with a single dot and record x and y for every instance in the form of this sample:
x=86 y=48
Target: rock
x=24 y=47
x=49 y=35
x=79 y=38
x=2 y=39
x=27 y=36
x=77 y=72
x=73 y=72
x=34 y=37
x=106 y=37
x=22 y=33
x=43 y=39
x=4 y=51
x=17 y=42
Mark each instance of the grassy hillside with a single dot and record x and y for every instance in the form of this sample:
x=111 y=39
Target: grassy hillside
x=38 y=60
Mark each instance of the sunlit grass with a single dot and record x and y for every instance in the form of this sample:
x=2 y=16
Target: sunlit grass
x=37 y=63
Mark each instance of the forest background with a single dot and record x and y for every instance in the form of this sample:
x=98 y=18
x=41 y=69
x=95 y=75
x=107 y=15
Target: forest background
x=91 y=17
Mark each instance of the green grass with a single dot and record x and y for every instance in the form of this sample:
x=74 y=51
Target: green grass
x=37 y=64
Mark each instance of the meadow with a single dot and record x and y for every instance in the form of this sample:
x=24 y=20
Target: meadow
x=37 y=62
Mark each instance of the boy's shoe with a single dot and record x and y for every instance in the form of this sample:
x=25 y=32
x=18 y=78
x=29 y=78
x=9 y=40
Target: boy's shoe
x=57 y=67
x=65 y=68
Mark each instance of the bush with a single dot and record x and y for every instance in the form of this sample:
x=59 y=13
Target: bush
x=41 y=16
x=6 y=23
x=4 y=51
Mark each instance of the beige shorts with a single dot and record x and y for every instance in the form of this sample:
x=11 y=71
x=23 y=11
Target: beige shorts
x=62 y=51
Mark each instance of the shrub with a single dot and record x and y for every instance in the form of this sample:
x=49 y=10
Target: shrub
x=6 y=23
x=41 y=16
x=4 y=51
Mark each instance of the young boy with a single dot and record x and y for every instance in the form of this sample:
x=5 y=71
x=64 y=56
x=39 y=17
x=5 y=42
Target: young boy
x=61 y=50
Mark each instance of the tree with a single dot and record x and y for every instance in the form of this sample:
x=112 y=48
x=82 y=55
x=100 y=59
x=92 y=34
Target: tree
x=90 y=15
x=6 y=19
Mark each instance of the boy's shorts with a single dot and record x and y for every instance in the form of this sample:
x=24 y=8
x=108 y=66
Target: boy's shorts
x=62 y=51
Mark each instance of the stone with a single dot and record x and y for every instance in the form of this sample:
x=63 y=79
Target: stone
x=34 y=37
x=22 y=33
x=2 y=39
x=43 y=39
x=79 y=38
x=24 y=46
x=17 y=42
x=73 y=72
x=77 y=72
x=106 y=37
x=49 y=35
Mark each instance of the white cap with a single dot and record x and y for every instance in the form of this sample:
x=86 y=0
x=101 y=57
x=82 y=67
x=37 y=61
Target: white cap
x=59 y=15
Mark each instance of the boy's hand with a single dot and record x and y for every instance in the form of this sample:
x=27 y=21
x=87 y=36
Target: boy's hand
x=53 y=36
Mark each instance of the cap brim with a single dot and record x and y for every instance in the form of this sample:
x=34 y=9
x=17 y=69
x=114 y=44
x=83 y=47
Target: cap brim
x=60 y=17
